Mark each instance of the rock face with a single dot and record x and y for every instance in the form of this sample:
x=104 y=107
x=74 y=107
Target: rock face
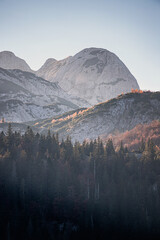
x=26 y=97
x=111 y=117
x=9 y=61
x=93 y=74
x=49 y=69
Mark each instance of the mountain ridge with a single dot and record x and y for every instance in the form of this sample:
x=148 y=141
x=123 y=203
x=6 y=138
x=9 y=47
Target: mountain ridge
x=111 y=117
x=118 y=114
x=25 y=97
x=93 y=74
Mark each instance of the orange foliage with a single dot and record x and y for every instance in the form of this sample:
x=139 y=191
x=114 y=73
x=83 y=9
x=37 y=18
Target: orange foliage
x=53 y=121
x=72 y=116
x=132 y=139
x=83 y=111
x=136 y=91
x=2 y=120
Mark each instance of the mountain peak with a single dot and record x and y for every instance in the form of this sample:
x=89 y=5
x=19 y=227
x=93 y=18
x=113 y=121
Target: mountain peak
x=94 y=74
x=93 y=51
x=8 y=60
x=7 y=53
x=50 y=60
x=88 y=50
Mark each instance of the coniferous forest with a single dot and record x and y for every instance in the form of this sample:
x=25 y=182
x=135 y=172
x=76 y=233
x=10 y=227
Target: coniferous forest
x=51 y=189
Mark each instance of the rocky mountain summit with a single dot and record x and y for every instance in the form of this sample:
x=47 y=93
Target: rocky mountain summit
x=93 y=74
x=8 y=60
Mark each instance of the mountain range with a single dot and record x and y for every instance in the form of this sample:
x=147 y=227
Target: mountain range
x=93 y=74
x=84 y=96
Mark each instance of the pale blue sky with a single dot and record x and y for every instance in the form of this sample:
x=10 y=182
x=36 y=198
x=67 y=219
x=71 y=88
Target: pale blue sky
x=39 y=29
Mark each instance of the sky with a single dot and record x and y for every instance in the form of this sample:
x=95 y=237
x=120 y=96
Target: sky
x=36 y=30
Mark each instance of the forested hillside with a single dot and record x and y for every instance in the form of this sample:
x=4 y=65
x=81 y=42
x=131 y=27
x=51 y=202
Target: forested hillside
x=132 y=139
x=57 y=190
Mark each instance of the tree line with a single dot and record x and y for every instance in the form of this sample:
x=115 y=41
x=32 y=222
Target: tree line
x=51 y=189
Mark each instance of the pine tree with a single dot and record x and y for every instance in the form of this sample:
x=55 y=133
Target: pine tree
x=110 y=148
x=142 y=145
x=9 y=137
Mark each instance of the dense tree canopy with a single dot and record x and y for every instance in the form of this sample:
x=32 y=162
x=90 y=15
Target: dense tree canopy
x=57 y=190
